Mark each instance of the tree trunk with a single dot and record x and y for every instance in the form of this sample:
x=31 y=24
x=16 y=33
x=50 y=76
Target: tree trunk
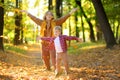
x=98 y=32
x=17 y=30
x=18 y=18
x=77 y=28
x=92 y=37
x=104 y=24
x=83 y=30
x=59 y=8
x=21 y=25
x=22 y=34
x=117 y=33
x=50 y=6
x=1 y=26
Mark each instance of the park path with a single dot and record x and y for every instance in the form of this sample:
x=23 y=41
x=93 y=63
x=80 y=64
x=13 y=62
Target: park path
x=34 y=52
x=92 y=64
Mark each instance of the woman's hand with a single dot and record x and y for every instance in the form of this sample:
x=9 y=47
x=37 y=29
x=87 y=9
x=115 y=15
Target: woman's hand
x=24 y=11
x=73 y=10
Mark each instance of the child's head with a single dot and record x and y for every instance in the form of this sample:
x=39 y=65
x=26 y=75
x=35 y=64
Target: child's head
x=57 y=31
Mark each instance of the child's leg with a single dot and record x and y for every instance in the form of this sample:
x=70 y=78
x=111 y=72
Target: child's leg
x=65 y=61
x=58 y=62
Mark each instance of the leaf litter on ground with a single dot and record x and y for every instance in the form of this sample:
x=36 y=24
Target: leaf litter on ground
x=90 y=63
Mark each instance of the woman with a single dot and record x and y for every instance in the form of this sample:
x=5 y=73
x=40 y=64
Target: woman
x=47 y=25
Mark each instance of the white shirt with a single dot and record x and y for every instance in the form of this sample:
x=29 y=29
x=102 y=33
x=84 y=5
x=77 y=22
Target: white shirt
x=58 y=47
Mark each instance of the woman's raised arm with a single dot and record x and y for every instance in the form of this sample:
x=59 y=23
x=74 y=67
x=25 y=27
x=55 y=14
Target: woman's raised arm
x=61 y=20
x=35 y=19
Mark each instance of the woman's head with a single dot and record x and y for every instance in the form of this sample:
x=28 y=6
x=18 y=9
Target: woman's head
x=48 y=15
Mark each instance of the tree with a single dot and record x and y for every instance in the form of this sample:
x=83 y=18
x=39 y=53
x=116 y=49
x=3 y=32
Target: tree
x=104 y=24
x=112 y=9
x=59 y=8
x=92 y=37
x=98 y=32
x=77 y=28
x=50 y=6
x=1 y=25
x=18 y=18
x=117 y=33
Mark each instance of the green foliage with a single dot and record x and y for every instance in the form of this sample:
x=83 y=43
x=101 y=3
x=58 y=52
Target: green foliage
x=36 y=3
x=9 y=5
x=14 y=48
x=76 y=48
x=112 y=8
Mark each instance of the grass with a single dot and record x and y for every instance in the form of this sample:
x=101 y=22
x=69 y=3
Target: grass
x=76 y=47
x=16 y=49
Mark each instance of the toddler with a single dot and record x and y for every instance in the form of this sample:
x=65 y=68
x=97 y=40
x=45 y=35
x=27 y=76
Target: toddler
x=61 y=48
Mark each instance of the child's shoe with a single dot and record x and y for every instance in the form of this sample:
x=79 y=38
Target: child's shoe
x=57 y=74
x=66 y=73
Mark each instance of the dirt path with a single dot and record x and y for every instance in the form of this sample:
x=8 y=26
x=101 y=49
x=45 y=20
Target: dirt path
x=27 y=66
x=93 y=64
x=35 y=54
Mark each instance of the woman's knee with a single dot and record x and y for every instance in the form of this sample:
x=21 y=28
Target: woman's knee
x=45 y=55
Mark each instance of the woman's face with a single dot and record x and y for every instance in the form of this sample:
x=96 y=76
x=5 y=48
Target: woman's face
x=49 y=16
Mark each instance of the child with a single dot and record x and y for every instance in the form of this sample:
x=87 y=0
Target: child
x=60 y=47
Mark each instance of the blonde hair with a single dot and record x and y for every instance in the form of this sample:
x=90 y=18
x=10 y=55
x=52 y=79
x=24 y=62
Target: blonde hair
x=58 y=28
x=47 y=13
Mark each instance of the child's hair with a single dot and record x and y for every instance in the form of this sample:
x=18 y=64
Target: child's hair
x=58 y=28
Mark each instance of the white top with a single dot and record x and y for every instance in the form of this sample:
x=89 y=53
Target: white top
x=58 y=47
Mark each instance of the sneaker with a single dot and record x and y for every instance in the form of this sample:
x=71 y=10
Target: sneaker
x=57 y=74
x=46 y=69
x=66 y=73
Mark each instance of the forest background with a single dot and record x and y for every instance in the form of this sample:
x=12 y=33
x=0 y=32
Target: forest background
x=94 y=21
x=97 y=22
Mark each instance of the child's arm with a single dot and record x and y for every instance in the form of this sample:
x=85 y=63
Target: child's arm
x=80 y=40
x=45 y=38
x=73 y=38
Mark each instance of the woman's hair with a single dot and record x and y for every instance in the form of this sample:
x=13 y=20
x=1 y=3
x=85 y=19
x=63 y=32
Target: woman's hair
x=47 y=13
x=58 y=28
